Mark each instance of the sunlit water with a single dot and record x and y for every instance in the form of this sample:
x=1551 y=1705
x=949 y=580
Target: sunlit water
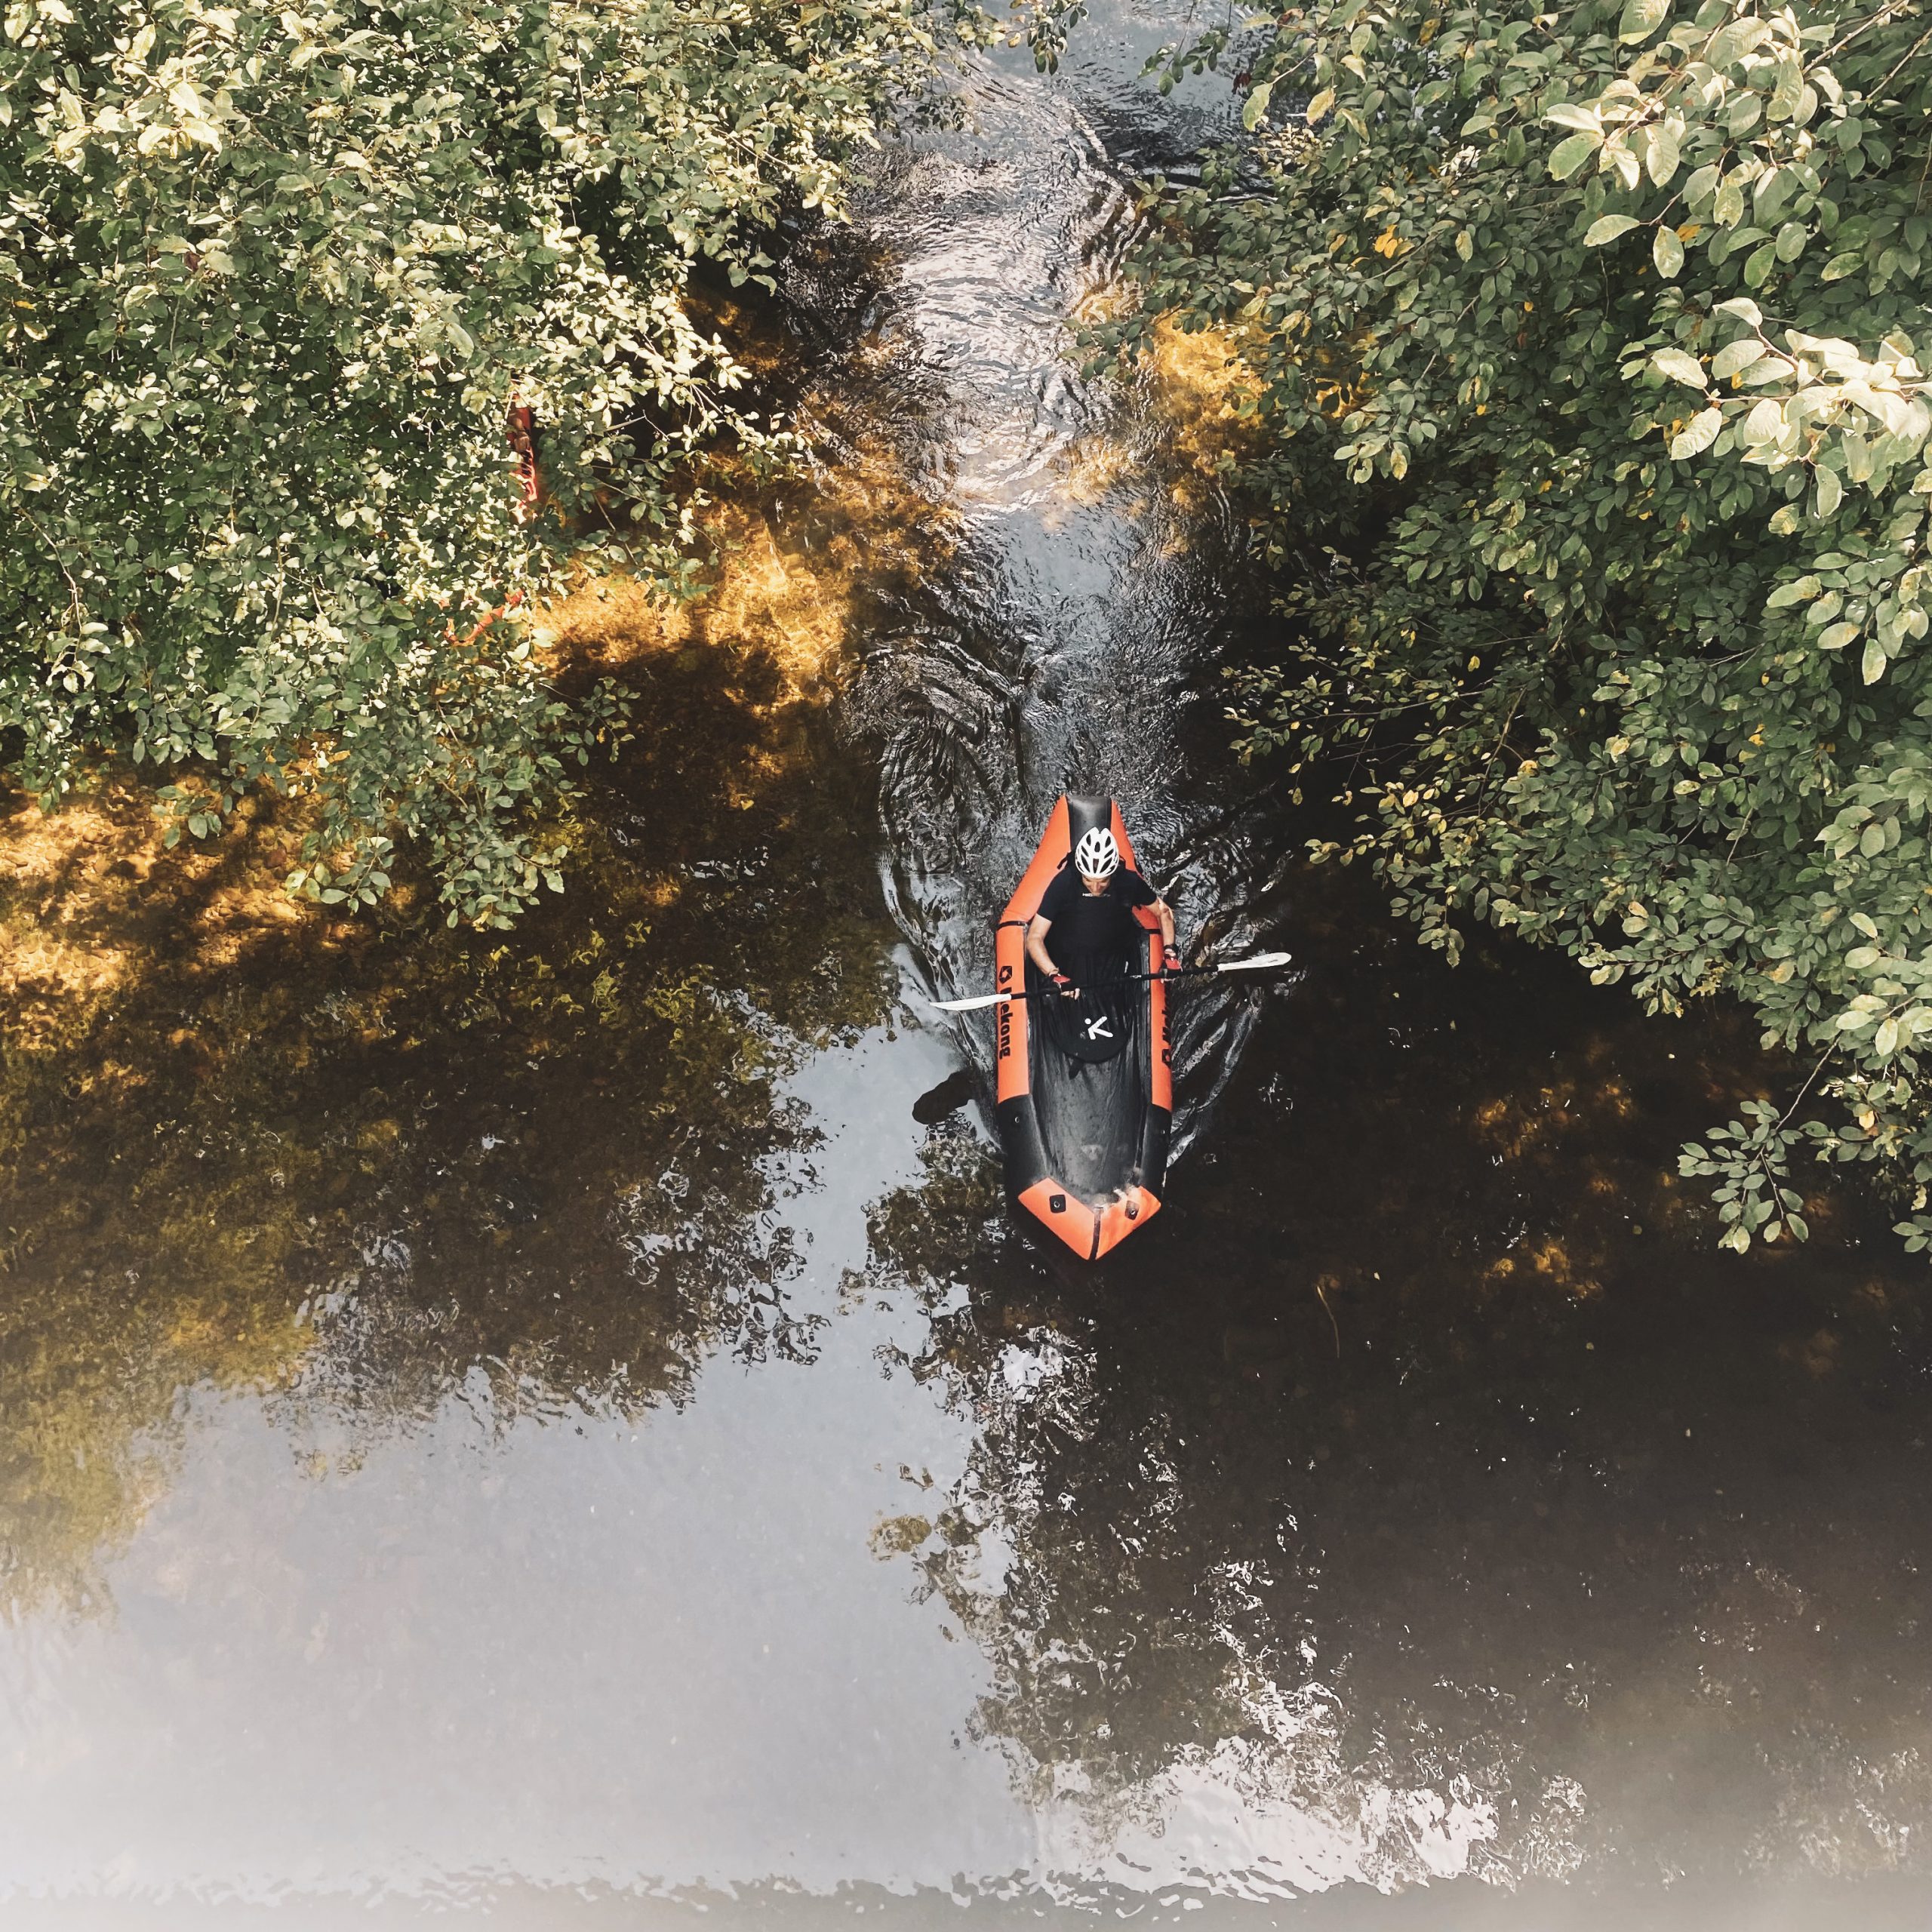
x=562 y=1434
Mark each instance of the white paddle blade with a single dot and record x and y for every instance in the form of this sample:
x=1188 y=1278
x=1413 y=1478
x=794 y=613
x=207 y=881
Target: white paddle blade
x=1254 y=965
x=969 y=1005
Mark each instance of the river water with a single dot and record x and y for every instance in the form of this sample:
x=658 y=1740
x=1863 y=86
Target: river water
x=567 y=1425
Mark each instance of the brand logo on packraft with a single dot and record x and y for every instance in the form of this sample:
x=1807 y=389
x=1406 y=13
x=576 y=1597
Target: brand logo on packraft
x=1097 y=1028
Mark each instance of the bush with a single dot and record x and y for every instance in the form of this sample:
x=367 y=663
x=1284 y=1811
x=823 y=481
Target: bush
x=1591 y=348
x=275 y=283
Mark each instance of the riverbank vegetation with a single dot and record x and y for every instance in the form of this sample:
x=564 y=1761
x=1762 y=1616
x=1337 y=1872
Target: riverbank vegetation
x=1590 y=346
x=340 y=338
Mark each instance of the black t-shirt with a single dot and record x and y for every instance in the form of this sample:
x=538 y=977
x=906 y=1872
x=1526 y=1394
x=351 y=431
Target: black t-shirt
x=1094 y=935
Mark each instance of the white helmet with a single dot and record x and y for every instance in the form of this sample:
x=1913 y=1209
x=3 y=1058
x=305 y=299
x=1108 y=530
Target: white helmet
x=1096 y=855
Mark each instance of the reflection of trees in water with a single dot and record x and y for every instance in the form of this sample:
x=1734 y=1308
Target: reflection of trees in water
x=356 y=1171
x=1569 y=1540
x=1124 y=1632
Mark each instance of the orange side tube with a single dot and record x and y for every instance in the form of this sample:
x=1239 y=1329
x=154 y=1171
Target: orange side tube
x=1013 y=1065
x=1161 y=1045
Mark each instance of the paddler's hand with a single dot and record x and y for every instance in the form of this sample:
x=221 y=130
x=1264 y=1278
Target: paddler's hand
x=1175 y=961
x=1068 y=990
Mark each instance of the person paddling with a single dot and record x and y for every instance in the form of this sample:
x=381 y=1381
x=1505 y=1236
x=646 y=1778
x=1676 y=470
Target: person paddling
x=1089 y=910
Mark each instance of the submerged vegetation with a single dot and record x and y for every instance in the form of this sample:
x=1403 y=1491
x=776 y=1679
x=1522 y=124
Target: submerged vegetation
x=286 y=293
x=1589 y=349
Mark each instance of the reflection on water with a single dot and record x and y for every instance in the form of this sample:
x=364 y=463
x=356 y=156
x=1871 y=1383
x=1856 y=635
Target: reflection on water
x=1540 y=1541
x=357 y=1171
x=565 y=1421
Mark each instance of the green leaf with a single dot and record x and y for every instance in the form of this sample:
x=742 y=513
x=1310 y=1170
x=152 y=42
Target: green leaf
x=1254 y=109
x=1319 y=104
x=1640 y=18
x=1790 y=84
x=1607 y=700
x=1679 y=366
x=1567 y=156
x=1734 y=356
x=1698 y=435
x=1660 y=158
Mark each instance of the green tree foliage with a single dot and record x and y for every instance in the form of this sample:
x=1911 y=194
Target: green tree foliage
x=273 y=282
x=1592 y=351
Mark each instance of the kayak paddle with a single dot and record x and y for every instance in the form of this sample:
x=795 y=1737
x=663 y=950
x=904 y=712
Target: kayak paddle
x=1260 y=962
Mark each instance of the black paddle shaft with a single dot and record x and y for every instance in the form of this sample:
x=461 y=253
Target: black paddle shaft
x=1125 y=980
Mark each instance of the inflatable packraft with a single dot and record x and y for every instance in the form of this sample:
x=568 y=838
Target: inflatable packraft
x=1085 y=1087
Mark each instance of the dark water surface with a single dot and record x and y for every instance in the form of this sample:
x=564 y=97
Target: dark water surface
x=568 y=1427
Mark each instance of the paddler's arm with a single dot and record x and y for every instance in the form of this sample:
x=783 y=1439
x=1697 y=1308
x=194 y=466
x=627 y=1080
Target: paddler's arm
x=1164 y=913
x=1036 y=950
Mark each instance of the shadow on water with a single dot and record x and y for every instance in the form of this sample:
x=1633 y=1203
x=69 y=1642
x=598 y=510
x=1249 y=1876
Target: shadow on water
x=1420 y=1501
